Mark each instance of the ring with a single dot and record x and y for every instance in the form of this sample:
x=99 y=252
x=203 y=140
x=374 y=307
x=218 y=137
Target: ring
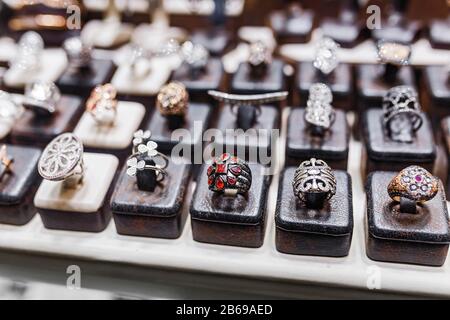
x=393 y=53
x=229 y=175
x=259 y=58
x=5 y=161
x=143 y=150
x=320 y=115
x=326 y=59
x=78 y=53
x=41 y=97
x=172 y=99
x=102 y=104
x=314 y=179
x=30 y=48
x=139 y=55
x=9 y=108
x=413 y=183
x=62 y=160
x=320 y=92
x=401 y=104
x=195 y=55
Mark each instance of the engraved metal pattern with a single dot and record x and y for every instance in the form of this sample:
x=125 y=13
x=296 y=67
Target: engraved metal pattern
x=402 y=100
x=61 y=157
x=326 y=59
x=314 y=176
x=393 y=53
x=413 y=183
x=229 y=175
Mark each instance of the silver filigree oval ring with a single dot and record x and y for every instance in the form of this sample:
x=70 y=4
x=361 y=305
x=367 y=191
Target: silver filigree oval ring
x=61 y=158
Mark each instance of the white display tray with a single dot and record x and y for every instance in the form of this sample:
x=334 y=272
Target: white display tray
x=355 y=271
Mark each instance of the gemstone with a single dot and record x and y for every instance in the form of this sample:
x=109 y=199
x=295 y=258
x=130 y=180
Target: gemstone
x=210 y=170
x=413 y=187
x=236 y=170
x=406 y=179
x=419 y=178
x=424 y=188
x=210 y=181
x=220 y=184
x=232 y=180
x=225 y=157
x=221 y=168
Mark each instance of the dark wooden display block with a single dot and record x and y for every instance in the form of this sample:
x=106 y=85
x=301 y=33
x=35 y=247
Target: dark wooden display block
x=436 y=92
x=243 y=82
x=347 y=32
x=196 y=122
x=81 y=82
x=19 y=186
x=393 y=236
x=37 y=130
x=157 y=214
x=440 y=34
x=198 y=85
x=301 y=145
x=234 y=221
x=445 y=127
x=340 y=82
x=380 y=153
x=256 y=140
x=317 y=232
x=292 y=26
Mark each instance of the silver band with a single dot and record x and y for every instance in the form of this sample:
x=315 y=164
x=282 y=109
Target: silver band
x=314 y=178
x=42 y=97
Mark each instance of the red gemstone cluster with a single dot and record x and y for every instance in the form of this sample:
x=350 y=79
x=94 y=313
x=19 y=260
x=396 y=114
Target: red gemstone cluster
x=223 y=173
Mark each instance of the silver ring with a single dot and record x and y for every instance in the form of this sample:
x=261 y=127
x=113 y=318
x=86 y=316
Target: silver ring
x=393 y=52
x=41 y=97
x=259 y=58
x=320 y=92
x=326 y=59
x=30 y=48
x=229 y=175
x=62 y=160
x=401 y=107
x=314 y=179
x=78 y=53
x=195 y=56
x=144 y=149
x=10 y=110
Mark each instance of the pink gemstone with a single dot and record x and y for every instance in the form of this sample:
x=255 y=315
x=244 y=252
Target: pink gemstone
x=220 y=184
x=236 y=170
x=232 y=181
x=419 y=178
x=225 y=157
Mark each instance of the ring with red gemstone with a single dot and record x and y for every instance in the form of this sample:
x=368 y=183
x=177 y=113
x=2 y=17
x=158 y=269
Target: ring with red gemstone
x=229 y=175
x=414 y=183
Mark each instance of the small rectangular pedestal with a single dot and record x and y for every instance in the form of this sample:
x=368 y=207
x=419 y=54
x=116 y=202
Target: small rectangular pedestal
x=81 y=82
x=18 y=187
x=436 y=92
x=157 y=214
x=238 y=221
x=333 y=147
x=393 y=236
x=85 y=208
x=380 y=153
x=292 y=29
x=317 y=232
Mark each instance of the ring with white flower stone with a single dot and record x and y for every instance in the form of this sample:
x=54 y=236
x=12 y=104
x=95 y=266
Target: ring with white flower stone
x=144 y=150
x=195 y=56
x=102 y=104
x=41 y=97
x=62 y=160
x=415 y=184
x=326 y=59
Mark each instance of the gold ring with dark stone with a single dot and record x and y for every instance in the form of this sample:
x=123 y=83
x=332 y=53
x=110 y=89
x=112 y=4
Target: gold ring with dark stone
x=173 y=99
x=413 y=183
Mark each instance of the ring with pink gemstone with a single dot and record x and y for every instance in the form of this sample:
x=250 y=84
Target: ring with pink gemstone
x=413 y=183
x=229 y=175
